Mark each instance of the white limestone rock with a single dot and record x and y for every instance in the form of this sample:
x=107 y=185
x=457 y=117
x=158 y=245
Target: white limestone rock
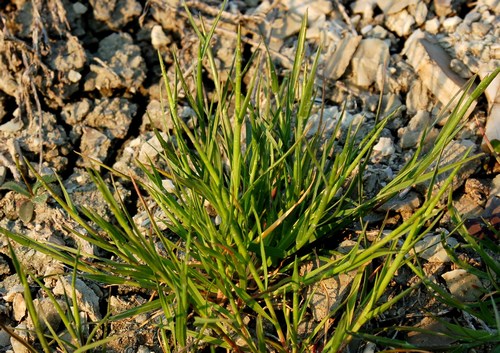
x=401 y=23
x=369 y=62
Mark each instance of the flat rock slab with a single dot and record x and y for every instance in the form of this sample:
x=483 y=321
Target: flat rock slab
x=432 y=64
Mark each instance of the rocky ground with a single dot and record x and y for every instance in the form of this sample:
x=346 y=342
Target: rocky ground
x=84 y=76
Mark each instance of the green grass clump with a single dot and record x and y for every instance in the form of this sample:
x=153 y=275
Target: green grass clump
x=247 y=198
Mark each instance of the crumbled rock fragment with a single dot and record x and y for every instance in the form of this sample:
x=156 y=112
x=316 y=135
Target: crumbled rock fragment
x=365 y=7
x=464 y=286
x=432 y=25
x=17 y=346
x=369 y=62
x=116 y=13
x=339 y=60
x=420 y=13
x=47 y=313
x=431 y=248
x=411 y=135
x=52 y=140
x=453 y=153
x=286 y=26
x=383 y=148
x=327 y=294
x=75 y=113
x=19 y=307
x=119 y=65
x=401 y=23
x=405 y=204
x=389 y=7
x=158 y=38
x=432 y=64
x=67 y=54
x=95 y=145
x=149 y=151
x=451 y=23
x=417 y=98
x=112 y=116
x=443 y=7
x=156 y=118
x=460 y=68
x=315 y=10
x=86 y=298
x=432 y=333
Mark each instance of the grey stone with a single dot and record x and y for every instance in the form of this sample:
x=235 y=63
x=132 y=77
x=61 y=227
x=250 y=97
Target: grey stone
x=431 y=248
x=405 y=204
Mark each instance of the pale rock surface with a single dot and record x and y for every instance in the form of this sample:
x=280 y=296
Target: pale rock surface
x=383 y=148
x=463 y=286
x=417 y=97
x=432 y=25
x=87 y=300
x=431 y=248
x=443 y=7
x=431 y=62
x=401 y=23
x=159 y=39
x=340 y=58
x=404 y=205
x=17 y=346
x=315 y=10
x=420 y=13
x=411 y=135
x=364 y=7
x=369 y=62
x=492 y=130
x=389 y=7
x=19 y=307
x=451 y=23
